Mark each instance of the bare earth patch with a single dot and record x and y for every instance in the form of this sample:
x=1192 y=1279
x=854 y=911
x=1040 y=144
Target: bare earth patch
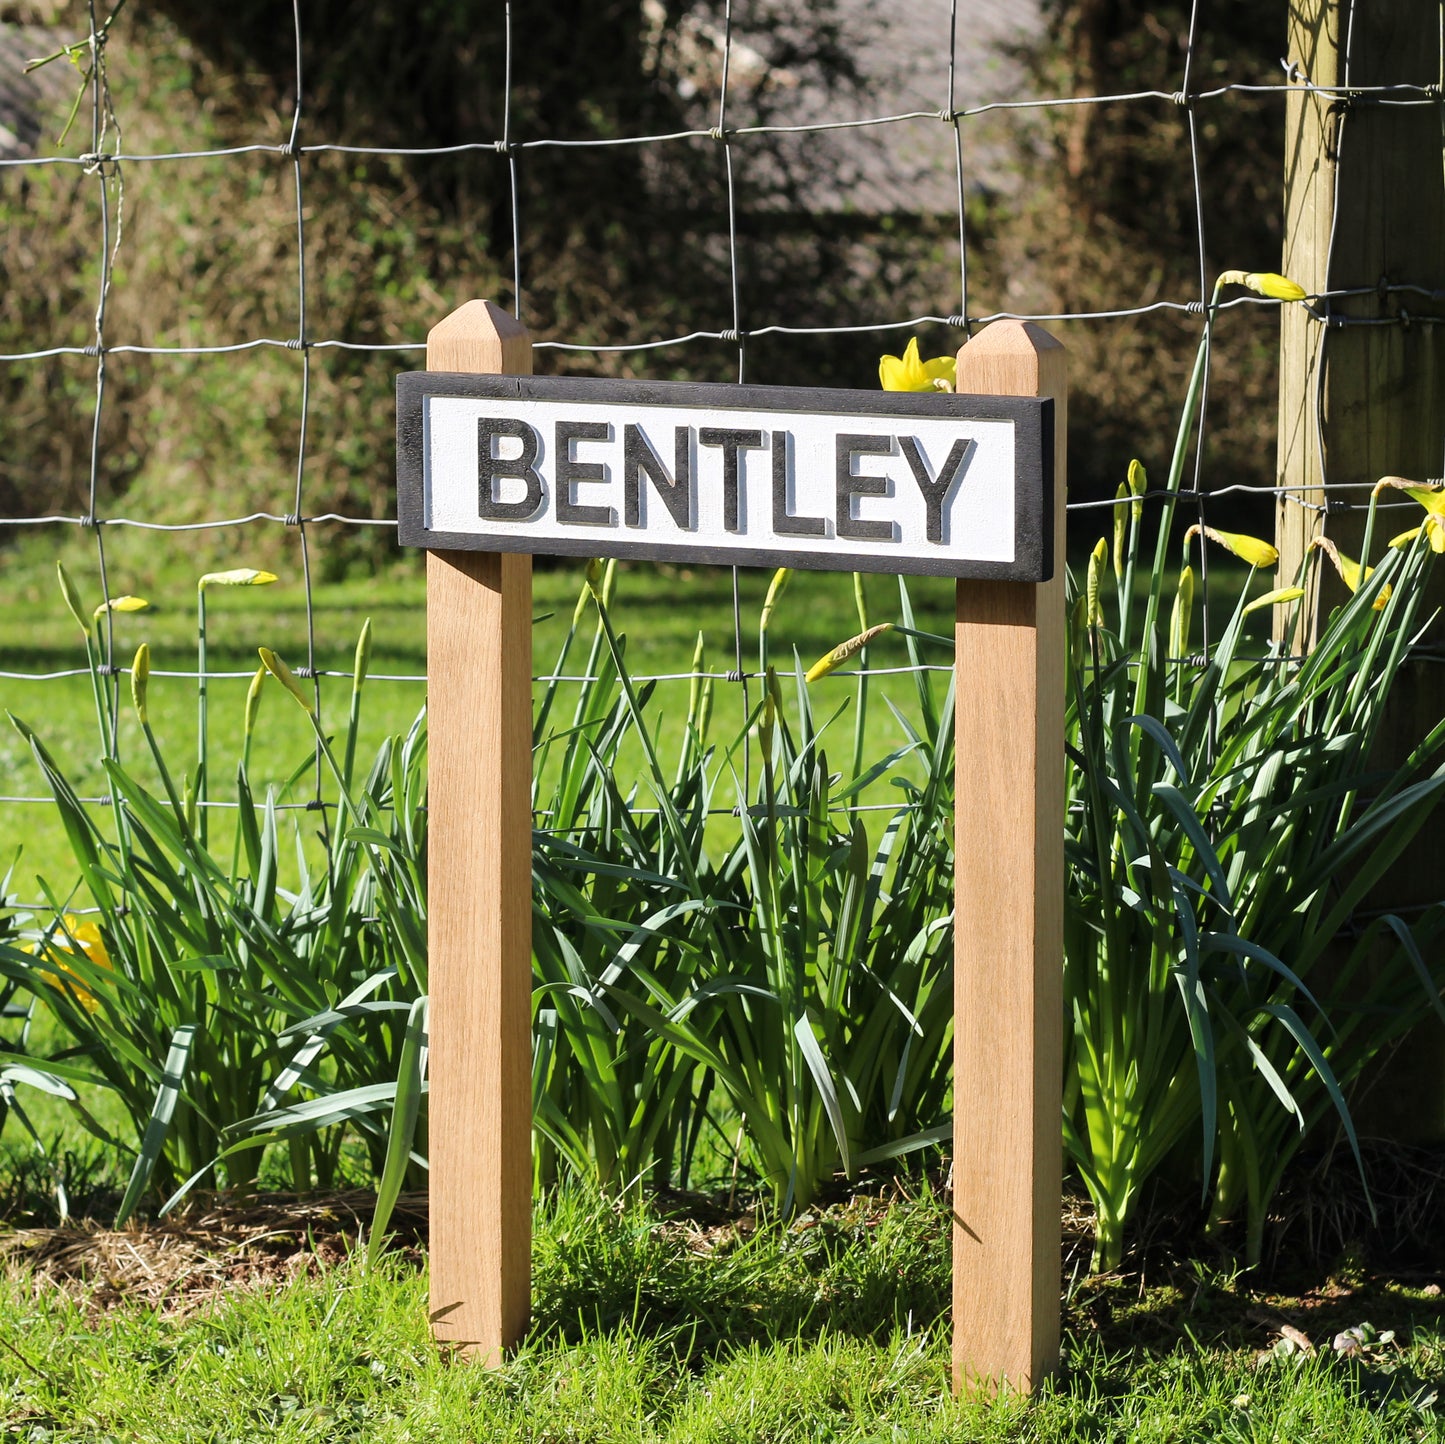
x=182 y=1263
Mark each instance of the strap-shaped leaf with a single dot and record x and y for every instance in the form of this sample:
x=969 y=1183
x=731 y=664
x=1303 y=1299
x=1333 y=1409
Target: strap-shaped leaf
x=154 y=1140
x=410 y=1073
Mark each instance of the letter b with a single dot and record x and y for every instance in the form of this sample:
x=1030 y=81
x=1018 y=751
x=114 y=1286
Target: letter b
x=491 y=468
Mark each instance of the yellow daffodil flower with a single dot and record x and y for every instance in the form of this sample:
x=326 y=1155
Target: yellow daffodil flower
x=71 y=937
x=910 y=372
x=1432 y=498
x=831 y=661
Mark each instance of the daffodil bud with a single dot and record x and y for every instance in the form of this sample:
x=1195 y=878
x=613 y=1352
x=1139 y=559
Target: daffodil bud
x=1138 y=482
x=1095 y=574
x=363 y=656
x=769 y=720
x=1263 y=283
x=1275 y=286
x=140 y=676
x=120 y=604
x=1280 y=597
x=284 y=675
x=583 y=597
x=695 y=683
x=778 y=586
x=1121 y=522
x=1182 y=615
x=593 y=577
x=1349 y=569
x=253 y=699
x=236 y=577
x=831 y=661
x=72 y=598
x=1247 y=548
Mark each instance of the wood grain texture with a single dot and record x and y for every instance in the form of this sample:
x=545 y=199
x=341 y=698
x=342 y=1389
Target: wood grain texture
x=1008 y=980
x=1364 y=205
x=479 y=899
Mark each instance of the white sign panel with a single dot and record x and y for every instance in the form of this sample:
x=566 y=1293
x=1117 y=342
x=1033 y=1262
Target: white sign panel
x=841 y=480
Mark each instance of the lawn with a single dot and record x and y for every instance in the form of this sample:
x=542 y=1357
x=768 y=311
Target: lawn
x=676 y=1319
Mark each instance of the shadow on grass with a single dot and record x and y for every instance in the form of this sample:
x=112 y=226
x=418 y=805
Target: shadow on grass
x=711 y=1280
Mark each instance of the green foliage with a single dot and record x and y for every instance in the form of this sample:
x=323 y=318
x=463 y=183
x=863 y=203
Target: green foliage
x=1228 y=818
x=782 y=963
x=204 y=993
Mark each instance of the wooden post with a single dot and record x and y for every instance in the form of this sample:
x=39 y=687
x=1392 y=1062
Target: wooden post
x=479 y=899
x=1364 y=207
x=1008 y=988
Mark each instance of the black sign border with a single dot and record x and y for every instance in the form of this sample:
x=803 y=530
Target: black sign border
x=1033 y=419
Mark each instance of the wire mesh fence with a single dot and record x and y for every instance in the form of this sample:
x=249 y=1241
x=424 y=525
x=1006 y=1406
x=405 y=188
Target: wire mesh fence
x=286 y=142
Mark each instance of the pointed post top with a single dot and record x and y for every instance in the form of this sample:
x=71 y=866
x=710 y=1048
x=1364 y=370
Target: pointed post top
x=481 y=338
x=1012 y=358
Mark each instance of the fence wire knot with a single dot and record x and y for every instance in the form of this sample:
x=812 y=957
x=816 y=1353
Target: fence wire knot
x=292 y=518
x=1195 y=308
x=736 y=676
x=958 y=322
x=107 y=669
x=90 y=521
x=1182 y=98
x=92 y=350
x=98 y=163
x=733 y=336
x=721 y=132
x=305 y=671
x=297 y=343
x=316 y=804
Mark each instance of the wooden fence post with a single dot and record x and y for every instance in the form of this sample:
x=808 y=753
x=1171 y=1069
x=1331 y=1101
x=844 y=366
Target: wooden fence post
x=479 y=902
x=1364 y=208
x=1008 y=988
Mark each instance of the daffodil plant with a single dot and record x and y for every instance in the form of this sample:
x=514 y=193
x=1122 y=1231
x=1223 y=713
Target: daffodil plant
x=224 y=1005
x=1225 y=824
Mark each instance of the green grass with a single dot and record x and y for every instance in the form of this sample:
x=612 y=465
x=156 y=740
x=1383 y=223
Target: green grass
x=650 y=1328
x=660 y=610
